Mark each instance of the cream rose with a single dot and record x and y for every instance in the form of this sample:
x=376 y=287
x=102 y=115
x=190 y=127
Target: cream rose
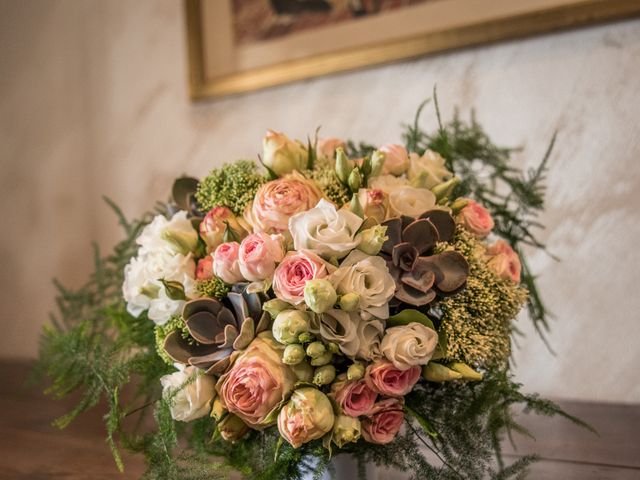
x=369 y=278
x=409 y=345
x=307 y=416
x=325 y=231
x=396 y=159
x=427 y=170
x=410 y=201
x=189 y=392
x=276 y=201
x=375 y=203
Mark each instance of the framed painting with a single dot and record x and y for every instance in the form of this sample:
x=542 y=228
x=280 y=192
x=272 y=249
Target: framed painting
x=241 y=45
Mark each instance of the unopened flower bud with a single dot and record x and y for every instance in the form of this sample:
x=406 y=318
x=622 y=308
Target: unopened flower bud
x=343 y=165
x=466 y=371
x=354 y=180
x=435 y=372
x=306 y=337
x=445 y=189
x=319 y=295
x=316 y=349
x=303 y=371
x=355 y=371
x=275 y=306
x=345 y=430
x=372 y=239
x=333 y=348
x=288 y=325
x=355 y=206
x=349 y=302
x=293 y=354
x=458 y=205
x=377 y=162
x=323 y=359
x=324 y=375
x=217 y=410
x=232 y=428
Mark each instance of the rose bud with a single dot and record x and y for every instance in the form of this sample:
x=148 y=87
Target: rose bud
x=319 y=295
x=375 y=203
x=204 y=270
x=225 y=262
x=504 y=261
x=189 y=399
x=355 y=398
x=315 y=349
x=289 y=324
x=383 y=377
x=232 y=428
x=324 y=375
x=383 y=422
x=218 y=411
x=293 y=354
x=377 y=163
x=372 y=239
x=355 y=371
x=396 y=159
x=346 y=430
x=275 y=306
x=333 y=347
x=306 y=337
x=349 y=302
x=466 y=371
x=458 y=204
x=476 y=219
x=323 y=359
x=435 y=372
x=214 y=225
x=282 y=155
x=257 y=383
x=307 y=416
x=303 y=371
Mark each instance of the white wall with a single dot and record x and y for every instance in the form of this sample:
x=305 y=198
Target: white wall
x=93 y=101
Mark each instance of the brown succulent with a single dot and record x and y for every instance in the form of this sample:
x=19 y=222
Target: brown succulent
x=420 y=276
x=216 y=331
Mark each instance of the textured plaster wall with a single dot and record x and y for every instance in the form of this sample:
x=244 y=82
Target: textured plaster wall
x=93 y=101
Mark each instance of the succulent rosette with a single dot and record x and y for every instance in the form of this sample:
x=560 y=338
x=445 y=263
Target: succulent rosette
x=326 y=301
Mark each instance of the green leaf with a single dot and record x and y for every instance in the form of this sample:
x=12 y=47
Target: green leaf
x=175 y=290
x=405 y=317
x=426 y=426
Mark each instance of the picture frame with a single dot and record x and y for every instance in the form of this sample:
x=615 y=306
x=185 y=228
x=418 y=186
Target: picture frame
x=218 y=67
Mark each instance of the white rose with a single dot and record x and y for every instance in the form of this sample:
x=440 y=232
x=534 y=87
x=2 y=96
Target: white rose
x=189 y=398
x=281 y=154
x=325 y=231
x=369 y=278
x=409 y=345
x=410 y=201
x=428 y=170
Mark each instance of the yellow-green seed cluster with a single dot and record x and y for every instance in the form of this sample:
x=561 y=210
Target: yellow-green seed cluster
x=327 y=181
x=233 y=185
x=212 y=288
x=478 y=320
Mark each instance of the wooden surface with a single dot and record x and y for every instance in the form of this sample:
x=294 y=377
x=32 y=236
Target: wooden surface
x=30 y=448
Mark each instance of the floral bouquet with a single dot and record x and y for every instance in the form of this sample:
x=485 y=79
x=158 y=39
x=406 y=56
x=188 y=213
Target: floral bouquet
x=347 y=299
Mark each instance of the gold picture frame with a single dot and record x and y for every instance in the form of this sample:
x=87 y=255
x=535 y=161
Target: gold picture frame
x=481 y=22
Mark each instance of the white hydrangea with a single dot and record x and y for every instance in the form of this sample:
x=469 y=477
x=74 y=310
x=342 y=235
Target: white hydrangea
x=158 y=259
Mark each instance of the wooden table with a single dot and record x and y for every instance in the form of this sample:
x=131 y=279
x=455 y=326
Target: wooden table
x=30 y=448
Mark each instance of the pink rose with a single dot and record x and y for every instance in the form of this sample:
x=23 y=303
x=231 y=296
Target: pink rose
x=226 y=264
x=355 y=398
x=256 y=383
x=204 y=270
x=375 y=203
x=504 y=261
x=214 y=225
x=326 y=147
x=291 y=276
x=477 y=219
x=384 y=421
x=276 y=201
x=396 y=159
x=386 y=379
x=259 y=254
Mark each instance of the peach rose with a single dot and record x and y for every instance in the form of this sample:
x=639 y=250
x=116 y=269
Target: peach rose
x=204 y=270
x=326 y=147
x=384 y=421
x=276 y=201
x=504 y=261
x=258 y=255
x=226 y=262
x=296 y=269
x=396 y=159
x=476 y=219
x=214 y=225
x=256 y=383
x=307 y=416
x=386 y=379
x=355 y=398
